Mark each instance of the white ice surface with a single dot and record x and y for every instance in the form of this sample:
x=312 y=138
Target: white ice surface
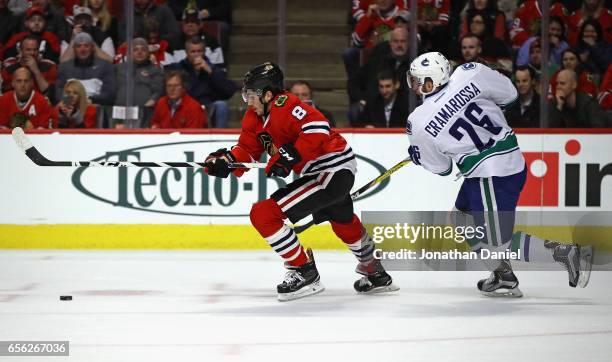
x=221 y=306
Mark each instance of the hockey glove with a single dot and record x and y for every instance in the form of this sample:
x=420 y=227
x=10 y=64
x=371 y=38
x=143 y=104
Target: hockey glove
x=217 y=163
x=415 y=155
x=282 y=163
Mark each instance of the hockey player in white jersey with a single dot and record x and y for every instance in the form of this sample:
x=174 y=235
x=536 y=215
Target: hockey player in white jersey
x=461 y=122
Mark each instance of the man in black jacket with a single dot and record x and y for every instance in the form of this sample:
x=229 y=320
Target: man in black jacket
x=388 y=109
x=571 y=109
x=525 y=112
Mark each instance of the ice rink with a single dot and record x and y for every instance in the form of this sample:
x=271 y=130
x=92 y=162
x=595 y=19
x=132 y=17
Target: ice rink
x=221 y=306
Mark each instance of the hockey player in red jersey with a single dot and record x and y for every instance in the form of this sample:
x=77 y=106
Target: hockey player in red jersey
x=299 y=139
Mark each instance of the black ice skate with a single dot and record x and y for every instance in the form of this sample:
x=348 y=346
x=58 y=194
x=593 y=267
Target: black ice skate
x=577 y=260
x=501 y=283
x=375 y=279
x=300 y=281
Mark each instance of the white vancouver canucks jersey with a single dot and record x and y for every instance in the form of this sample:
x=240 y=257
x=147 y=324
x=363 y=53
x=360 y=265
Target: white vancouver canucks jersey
x=463 y=123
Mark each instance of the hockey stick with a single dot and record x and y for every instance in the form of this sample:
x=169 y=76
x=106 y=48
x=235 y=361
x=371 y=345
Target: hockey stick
x=33 y=154
x=300 y=228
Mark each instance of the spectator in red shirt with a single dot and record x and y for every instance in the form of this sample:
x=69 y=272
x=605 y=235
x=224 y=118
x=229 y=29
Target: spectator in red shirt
x=571 y=60
x=432 y=19
x=360 y=7
x=594 y=9
x=605 y=91
x=177 y=109
x=377 y=24
x=44 y=71
x=527 y=20
x=489 y=10
x=35 y=25
x=74 y=111
x=31 y=106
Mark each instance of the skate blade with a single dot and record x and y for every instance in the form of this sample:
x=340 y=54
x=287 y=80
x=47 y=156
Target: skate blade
x=586 y=264
x=382 y=289
x=312 y=289
x=503 y=293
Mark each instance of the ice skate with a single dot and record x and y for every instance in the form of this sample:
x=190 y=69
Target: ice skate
x=375 y=279
x=501 y=283
x=577 y=260
x=300 y=281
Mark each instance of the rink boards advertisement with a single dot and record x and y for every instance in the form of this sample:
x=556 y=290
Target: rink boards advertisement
x=64 y=207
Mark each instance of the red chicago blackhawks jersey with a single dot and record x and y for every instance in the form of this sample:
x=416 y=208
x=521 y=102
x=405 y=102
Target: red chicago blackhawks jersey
x=37 y=109
x=527 y=20
x=291 y=121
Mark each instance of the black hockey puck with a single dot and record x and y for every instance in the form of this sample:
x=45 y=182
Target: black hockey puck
x=65 y=297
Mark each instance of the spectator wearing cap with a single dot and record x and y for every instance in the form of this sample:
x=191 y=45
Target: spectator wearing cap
x=148 y=80
x=304 y=92
x=177 y=109
x=25 y=104
x=393 y=55
x=55 y=21
x=526 y=111
x=9 y=22
x=83 y=22
x=191 y=26
x=102 y=18
x=556 y=36
x=207 y=82
x=44 y=71
x=158 y=48
x=74 y=111
x=219 y=11
x=389 y=108
x=572 y=109
x=96 y=75
x=148 y=10
x=49 y=44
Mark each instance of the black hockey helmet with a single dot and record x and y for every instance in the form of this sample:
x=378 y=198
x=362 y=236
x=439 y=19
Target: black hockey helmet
x=262 y=78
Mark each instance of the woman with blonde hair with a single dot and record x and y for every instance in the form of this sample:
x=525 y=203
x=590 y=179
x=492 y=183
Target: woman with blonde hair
x=103 y=18
x=75 y=110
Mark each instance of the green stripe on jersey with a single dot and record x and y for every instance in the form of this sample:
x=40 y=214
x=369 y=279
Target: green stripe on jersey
x=502 y=146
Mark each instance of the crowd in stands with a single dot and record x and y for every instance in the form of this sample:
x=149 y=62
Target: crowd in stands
x=67 y=64
x=505 y=35
x=64 y=63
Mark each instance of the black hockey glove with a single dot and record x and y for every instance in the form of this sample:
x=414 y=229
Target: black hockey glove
x=281 y=164
x=217 y=163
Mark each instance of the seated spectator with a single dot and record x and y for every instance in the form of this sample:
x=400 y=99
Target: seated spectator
x=74 y=111
x=471 y=51
x=527 y=20
x=571 y=60
x=158 y=48
x=494 y=50
x=557 y=43
x=83 y=22
x=33 y=108
x=393 y=55
x=177 y=109
x=591 y=9
x=9 y=21
x=374 y=27
x=595 y=52
x=102 y=18
x=192 y=26
x=206 y=82
x=35 y=24
x=96 y=75
x=304 y=92
x=389 y=108
x=360 y=7
x=148 y=80
x=605 y=91
x=571 y=109
x=219 y=11
x=490 y=12
x=43 y=71
x=432 y=20
x=147 y=10
x=535 y=61
x=526 y=111
x=55 y=22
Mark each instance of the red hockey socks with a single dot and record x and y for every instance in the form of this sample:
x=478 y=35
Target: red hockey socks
x=356 y=238
x=267 y=217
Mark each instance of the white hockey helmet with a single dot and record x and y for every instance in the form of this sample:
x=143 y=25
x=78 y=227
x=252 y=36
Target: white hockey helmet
x=431 y=65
